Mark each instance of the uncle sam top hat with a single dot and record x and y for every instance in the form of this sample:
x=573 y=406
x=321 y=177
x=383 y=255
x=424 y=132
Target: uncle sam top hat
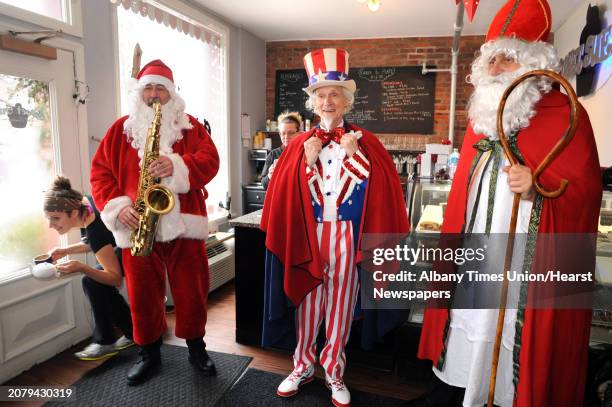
x=328 y=67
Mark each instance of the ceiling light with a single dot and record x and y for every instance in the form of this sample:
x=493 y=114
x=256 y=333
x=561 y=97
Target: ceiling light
x=373 y=5
x=361 y=1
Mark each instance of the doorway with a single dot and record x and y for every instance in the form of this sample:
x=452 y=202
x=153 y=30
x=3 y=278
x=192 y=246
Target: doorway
x=39 y=138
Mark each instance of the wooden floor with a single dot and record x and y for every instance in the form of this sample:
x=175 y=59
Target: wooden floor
x=64 y=369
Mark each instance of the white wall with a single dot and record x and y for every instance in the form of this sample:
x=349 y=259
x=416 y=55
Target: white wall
x=99 y=69
x=598 y=104
x=253 y=76
x=247 y=76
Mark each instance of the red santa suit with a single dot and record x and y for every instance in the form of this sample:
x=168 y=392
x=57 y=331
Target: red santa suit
x=179 y=247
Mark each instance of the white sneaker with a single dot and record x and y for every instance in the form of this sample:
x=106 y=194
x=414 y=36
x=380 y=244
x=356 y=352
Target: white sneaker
x=95 y=351
x=292 y=383
x=123 y=343
x=341 y=397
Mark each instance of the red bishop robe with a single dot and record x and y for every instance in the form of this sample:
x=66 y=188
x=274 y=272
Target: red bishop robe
x=553 y=346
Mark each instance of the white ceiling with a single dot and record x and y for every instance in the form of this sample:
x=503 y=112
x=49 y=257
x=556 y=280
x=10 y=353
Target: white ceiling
x=280 y=20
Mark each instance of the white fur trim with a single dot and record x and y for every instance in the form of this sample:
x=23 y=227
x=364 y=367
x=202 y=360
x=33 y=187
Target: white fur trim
x=181 y=225
x=178 y=182
x=196 y=226
x=171 y=225
x=157 y=79
x=110 y=217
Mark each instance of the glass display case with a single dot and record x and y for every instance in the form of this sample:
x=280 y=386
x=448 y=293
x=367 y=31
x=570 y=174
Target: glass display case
x=426 y=203
x=601 y=329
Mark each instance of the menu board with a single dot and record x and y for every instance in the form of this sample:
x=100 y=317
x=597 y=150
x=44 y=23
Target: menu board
x=388 y=99
x=289 y=94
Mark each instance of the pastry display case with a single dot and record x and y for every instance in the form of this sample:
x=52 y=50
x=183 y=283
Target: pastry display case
x=601 y=329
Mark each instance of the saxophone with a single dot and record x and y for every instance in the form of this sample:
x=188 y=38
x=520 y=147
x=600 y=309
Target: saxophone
x=153 y=199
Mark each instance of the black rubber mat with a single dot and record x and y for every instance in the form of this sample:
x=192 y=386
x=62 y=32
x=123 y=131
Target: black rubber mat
x=258 y=388
x=177 y=384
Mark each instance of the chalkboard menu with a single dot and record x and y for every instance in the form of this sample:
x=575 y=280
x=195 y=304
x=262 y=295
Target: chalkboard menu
x=289 y=93
x=388 y=99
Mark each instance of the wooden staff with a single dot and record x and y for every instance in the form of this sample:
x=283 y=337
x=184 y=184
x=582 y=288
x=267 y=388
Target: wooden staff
x=561 y=144
x=136 y=60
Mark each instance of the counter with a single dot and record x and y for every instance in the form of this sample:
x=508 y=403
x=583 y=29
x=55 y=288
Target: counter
x=250 y=220
x=250 y=277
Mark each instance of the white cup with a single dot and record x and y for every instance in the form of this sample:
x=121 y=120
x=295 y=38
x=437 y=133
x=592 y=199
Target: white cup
x=44 y=271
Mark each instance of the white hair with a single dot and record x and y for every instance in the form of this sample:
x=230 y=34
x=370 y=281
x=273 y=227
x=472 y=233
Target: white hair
x=532 y=55
x=488 y=90
x=174 y=120
x=348 y=95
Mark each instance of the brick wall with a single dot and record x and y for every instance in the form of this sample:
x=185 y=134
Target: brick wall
x=391 y=52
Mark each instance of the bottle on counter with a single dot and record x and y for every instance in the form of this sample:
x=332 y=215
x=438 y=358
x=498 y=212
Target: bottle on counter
x=453 y=160
x=268 y=125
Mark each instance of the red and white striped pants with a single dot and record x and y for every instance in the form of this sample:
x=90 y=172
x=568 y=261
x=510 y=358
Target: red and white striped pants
x=333 y=300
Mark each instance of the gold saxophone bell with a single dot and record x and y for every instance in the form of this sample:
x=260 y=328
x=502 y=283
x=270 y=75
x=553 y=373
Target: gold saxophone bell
x=159 y=199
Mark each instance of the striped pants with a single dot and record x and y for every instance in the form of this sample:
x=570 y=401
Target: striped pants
x=333 y=300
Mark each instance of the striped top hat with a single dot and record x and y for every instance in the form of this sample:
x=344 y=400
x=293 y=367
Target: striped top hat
x=527 y=20
x=328 y=67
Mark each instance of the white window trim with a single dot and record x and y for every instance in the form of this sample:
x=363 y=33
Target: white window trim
x=211 y=23
x=76 y=17
x=79 y=60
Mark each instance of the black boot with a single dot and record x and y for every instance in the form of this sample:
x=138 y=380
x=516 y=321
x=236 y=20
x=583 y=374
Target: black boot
x=440 y=394
x=199 y=357
x=147 y=366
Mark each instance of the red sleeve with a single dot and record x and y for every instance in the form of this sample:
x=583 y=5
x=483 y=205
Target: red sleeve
x=105 y=167
x=202 y=160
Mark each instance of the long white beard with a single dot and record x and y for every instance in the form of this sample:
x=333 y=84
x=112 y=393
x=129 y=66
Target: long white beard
x=173 y=121
x=519 y=108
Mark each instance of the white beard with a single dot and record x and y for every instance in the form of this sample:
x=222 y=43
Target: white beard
x=519 y=108
x=173 y=121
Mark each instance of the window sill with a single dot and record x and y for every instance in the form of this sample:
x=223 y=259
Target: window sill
x=15 y=275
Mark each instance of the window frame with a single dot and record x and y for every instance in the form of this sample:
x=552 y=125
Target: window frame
x=78 y=51
x=75 y=27
x=224 y=32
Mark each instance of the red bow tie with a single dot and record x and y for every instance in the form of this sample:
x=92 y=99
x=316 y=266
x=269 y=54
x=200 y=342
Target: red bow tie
x=327 y=136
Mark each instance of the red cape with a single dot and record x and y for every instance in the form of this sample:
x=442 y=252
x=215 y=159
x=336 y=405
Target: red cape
x=554 y=343
x=288 y=217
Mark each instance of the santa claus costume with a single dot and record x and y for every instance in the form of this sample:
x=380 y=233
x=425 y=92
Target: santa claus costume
x=315 y=217
x=179 y=247
x=543 y=355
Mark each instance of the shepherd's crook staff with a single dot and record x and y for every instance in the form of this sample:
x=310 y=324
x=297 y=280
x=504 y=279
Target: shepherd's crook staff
x=561 y=144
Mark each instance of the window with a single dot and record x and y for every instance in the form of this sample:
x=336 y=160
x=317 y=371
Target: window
x=56 y=9
x=196 y=56
x=62 y=15
x=27 y=167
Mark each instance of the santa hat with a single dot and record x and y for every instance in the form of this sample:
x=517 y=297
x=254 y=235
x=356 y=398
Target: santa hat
x=328 y=67
x=156 y=72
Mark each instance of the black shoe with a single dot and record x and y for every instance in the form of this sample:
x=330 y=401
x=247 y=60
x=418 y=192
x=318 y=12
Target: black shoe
x=199 y=357
x=439 y=395
x=148 y=365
